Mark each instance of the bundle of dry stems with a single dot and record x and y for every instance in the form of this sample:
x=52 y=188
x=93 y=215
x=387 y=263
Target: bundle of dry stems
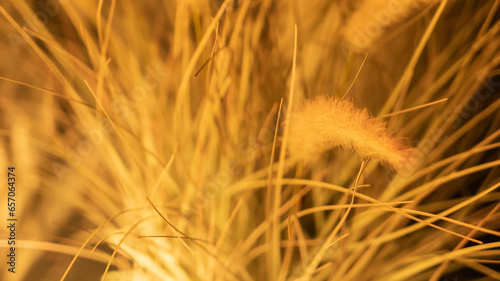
x=252 y=140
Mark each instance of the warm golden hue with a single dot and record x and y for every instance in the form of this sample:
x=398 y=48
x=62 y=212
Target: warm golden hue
x=325 y=123
x=372 y=18
x=213 y=140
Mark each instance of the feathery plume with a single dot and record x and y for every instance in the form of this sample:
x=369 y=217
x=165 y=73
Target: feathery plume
x=324 y=123
x=372 y=17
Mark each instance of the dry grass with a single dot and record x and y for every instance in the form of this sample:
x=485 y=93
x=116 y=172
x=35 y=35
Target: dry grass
x=204 y=140
x=325 y=123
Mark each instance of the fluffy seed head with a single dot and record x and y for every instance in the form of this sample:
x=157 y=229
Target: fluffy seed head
x=325 y=123
x=372 y=17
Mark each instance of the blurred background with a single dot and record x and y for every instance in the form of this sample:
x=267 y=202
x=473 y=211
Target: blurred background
x=114 y=112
